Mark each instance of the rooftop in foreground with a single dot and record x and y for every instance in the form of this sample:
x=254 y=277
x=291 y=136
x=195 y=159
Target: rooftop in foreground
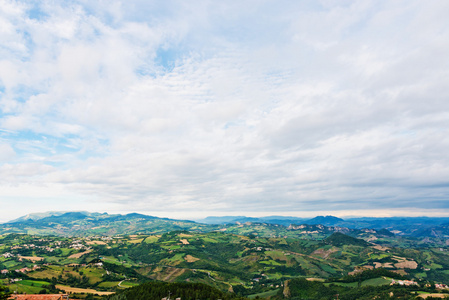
x=41 y=297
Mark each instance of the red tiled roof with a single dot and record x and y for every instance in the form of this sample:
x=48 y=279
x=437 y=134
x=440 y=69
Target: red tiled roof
x=38 y=297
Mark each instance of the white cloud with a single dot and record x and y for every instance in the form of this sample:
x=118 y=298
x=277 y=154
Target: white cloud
x=6 y=152
x=244 y=107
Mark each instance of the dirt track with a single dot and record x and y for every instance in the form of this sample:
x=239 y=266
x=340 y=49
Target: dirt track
x=69 y=289
x=78 y=255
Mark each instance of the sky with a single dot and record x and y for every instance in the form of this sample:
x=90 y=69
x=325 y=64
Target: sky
x=188 y=109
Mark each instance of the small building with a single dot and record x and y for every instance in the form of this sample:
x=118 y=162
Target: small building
x=404 y=282
x=40 y=297
x=23 y=270
x=441 y=286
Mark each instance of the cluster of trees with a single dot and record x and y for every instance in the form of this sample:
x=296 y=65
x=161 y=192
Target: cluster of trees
x=49 y=289
x=14 y=274
x=294 y=270
x=340 y=239
x=71 y=280
x=300 y=288
x=4 y=293
x=264 y=285
x=186 y=291
x=122 y=270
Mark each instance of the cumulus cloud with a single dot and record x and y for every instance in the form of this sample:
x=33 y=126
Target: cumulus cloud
x=233 y=107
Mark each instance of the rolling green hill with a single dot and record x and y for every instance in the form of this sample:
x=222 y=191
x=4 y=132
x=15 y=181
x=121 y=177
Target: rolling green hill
x=247 y=265
x=109 y=253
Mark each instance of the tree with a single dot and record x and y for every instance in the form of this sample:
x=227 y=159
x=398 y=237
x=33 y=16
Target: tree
x=4 y=293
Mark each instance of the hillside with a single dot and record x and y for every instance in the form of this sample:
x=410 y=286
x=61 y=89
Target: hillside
x=339 y=239
x=185 y=291
x=247 y=265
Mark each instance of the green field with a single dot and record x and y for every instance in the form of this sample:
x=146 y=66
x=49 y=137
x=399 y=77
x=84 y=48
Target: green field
x=264 y=294
x=27 y=286
x=109 y=284
x=370 y=282
x=258 y=263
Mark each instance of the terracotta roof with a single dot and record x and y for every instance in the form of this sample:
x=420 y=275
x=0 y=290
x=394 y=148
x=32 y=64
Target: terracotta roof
x=39 y=297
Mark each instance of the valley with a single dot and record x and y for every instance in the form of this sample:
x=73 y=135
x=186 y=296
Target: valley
x=245 y=259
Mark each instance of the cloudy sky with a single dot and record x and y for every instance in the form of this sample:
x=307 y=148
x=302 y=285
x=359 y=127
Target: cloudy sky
x=185 y=109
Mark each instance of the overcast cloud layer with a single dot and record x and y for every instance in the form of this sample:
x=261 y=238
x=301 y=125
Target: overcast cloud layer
x=195 y=108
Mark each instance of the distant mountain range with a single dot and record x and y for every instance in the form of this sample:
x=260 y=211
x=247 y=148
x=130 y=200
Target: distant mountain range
x=39 y=216
x=83 y=223
x=86 y=223
x=242 y=219
x=401 y=225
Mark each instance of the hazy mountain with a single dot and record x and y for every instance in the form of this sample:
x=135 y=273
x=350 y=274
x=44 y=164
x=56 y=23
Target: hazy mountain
x=327 y=221
x=280 y=220
x=49 y=214
x=220 y=220
x=85 y=223
x=37 y=216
